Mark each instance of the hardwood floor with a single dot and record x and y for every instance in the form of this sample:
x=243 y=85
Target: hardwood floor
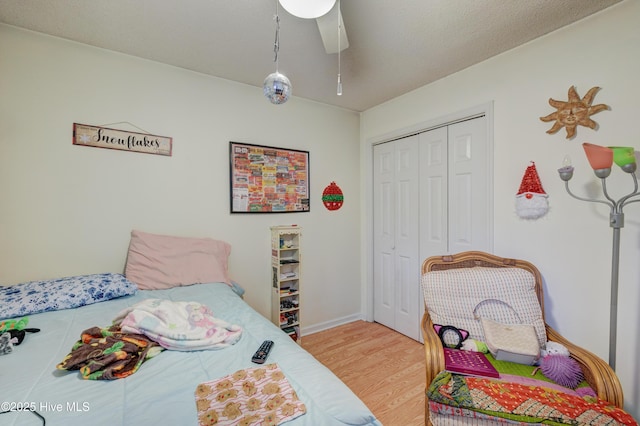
x=384 y=368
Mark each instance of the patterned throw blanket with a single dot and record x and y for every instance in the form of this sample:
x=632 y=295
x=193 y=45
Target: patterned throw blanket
x=180 y=326
x=520 y=402
x=252 y=397
x=108 y=353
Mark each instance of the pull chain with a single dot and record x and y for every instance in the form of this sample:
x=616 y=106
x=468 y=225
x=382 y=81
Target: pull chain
x=276 y=43
x=339 y=92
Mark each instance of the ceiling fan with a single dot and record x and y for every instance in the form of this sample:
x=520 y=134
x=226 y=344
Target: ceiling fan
x=328 y=17
x=277 y=87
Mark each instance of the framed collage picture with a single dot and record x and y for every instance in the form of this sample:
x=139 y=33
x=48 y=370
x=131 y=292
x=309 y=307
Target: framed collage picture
x=267 y=179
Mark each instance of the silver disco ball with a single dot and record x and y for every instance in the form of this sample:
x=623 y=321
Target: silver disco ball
x=277 y=88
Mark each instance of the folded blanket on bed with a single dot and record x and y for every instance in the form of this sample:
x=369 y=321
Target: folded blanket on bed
x=251 y=397
x=181 y=326
x=108 y=353
x=523 y=402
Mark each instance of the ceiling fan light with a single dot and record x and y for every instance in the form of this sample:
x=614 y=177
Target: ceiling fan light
x=308 y=9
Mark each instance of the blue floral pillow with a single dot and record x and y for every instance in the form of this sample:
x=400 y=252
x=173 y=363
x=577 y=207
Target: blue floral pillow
x=62 y=293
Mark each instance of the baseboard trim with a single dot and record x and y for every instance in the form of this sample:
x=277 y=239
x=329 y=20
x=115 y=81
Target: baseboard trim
x=315 y=328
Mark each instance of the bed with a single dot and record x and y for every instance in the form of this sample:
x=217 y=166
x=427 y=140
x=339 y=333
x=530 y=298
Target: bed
x=162 y=390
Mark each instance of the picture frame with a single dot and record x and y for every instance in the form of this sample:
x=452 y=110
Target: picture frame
x=266 y=179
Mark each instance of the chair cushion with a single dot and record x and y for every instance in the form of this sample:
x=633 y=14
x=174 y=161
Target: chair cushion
x=452 y=295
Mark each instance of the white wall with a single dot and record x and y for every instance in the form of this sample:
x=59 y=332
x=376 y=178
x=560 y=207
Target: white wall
x=572 y=244
x=69 y=210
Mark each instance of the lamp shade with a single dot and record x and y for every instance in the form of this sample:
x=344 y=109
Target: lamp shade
x=600 y=157
x=308 y=9
x=623 y=155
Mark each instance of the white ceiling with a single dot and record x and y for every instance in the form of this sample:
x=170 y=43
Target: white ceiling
x=394 y=46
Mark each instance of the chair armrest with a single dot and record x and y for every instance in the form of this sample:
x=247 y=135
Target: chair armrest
x=434 y=356
x=600 y=376
x=433 y=349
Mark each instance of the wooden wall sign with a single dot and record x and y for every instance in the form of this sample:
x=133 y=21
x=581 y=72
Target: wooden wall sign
x=103 y=137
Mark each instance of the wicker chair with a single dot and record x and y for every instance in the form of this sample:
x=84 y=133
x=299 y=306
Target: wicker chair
x=597 y=372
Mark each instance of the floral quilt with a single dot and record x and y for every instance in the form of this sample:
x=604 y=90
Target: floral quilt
x=62 y=293
x=525 y=403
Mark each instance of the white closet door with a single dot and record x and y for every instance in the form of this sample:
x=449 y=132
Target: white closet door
x=396 y=254
x=470 y=198
x=434 y=192
x=431 y=196
x=455 y=198
x=384 y=233
x=407 y=237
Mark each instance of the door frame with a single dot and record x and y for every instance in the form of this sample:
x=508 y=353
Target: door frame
x=485 y=109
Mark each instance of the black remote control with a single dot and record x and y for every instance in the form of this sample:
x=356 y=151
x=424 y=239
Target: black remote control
x=263 y=352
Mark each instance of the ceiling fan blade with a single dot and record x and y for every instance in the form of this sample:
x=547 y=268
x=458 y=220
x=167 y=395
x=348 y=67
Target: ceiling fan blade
x=328 y=27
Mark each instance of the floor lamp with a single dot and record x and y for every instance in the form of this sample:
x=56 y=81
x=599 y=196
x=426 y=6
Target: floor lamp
x=601 y=159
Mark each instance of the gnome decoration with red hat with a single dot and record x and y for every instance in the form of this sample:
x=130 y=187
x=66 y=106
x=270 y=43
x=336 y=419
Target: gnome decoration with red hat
x=531 y=201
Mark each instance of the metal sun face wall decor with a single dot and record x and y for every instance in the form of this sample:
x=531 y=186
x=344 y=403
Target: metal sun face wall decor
x=575 y=112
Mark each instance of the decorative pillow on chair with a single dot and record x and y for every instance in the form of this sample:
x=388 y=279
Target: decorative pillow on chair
x=452 y=295
x=160 y=261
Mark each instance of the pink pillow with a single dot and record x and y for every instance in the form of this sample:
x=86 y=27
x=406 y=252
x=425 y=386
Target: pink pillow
x=160 y=261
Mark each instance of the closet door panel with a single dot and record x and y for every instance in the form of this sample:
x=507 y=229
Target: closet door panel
x=469 y=200
x=433 y=192
x=406 y=232
x=407 y=310
x=461 y=211
x=383 y=239
x=387 y=294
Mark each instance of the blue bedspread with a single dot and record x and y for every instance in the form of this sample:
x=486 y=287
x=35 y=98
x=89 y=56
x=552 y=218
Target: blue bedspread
x=161 y=392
